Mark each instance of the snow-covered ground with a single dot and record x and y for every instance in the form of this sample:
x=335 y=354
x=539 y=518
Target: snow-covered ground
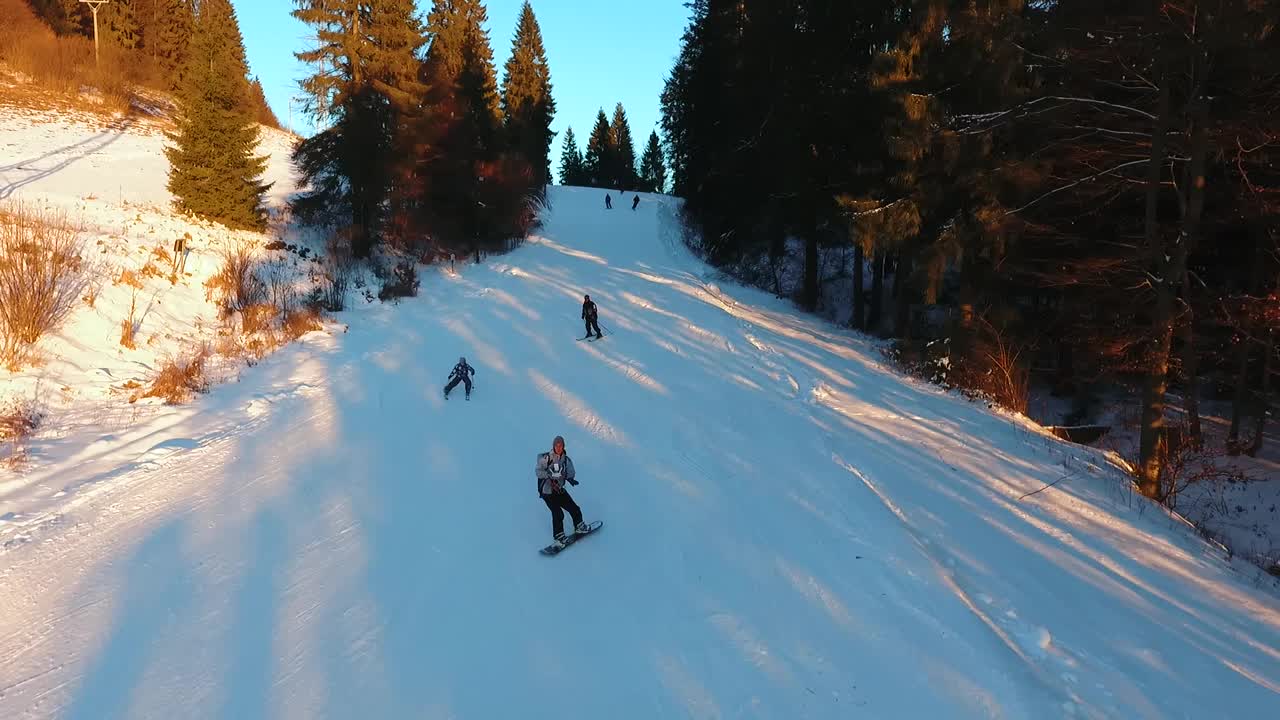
x=107 y=175
x=791 y=529
x=1236 y=499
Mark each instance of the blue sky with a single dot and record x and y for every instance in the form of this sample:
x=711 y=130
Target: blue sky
x=601 y=53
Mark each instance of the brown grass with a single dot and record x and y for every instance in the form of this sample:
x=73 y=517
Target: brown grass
x=128 y=326
x=180 y=378
x=65 y=64
x=42 y=276
x=130 y=278
x=300 y=322
x=153 y=270
x=257 y=319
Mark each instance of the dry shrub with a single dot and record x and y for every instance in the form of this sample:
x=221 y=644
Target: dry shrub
x=338 y=275
x=978 y=359
x=152 y=270
x=300 y=322
x=280 y=291
x=257 y=319
x=162 y=255
x=42 y=276
x=130 y=278
x=181 y=377
x=991 y=366
x=237 y=283
x=18 y=420
x=402 y=282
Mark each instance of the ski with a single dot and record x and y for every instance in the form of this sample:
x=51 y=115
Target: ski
x=554 y=549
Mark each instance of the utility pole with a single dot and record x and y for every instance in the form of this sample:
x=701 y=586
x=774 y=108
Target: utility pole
x=94 y=5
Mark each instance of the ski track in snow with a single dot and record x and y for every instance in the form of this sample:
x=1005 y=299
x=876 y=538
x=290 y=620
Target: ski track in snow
x=791 y=530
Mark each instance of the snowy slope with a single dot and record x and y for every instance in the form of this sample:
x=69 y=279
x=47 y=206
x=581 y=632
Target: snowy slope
x=791 y=530
x=108 y=175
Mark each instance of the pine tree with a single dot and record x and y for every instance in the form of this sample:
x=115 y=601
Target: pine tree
x=476 y=194
x=459 y=66
x=118 y=24
x=394 y=69
x=213 y=171
x=65 y=17
x=76 y=17
x=367 y=95
x=259 y=107
x=597 y=165
x=167 y=29
x=571 y=163
x=623 y=151
x=527 y=103
x=653 y=168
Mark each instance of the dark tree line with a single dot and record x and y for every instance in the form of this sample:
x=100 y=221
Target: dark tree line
x=610 y=157
x=418 y=145
x=1092 y=182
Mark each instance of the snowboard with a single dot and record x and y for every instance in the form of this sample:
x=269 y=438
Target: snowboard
x=571 y=539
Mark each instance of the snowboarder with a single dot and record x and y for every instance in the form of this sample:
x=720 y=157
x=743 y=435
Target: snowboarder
x=608 y=202
x=553 y=469
x=462 y=373
x=635 y=202
x=589 y=317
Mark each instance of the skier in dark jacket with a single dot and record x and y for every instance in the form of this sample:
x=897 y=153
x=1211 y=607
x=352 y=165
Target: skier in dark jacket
x=635 y=202
x=462 y=373
x=589 y=317
x=553 y=469
x=608 y=202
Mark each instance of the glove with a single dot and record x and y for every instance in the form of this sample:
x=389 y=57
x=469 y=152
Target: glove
x=573 y=482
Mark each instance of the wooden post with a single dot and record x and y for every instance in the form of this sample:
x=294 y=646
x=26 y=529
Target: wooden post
x=94 y=5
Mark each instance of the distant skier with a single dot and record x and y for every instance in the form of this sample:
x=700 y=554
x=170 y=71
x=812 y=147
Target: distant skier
x=462 y=373
x=553 y=470
x=608 y=202
x=589 y=316
x=635 y=202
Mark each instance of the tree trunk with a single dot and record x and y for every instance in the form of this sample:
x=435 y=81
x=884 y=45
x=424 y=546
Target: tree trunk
x=1190 y=365
x=1172 y=264
x=1264 y=394
x=901 y=301
x=777 y=241
x=856 y=319
x=809 y=298
x=1238 y=399
x=1153 y=390
x=877 y=294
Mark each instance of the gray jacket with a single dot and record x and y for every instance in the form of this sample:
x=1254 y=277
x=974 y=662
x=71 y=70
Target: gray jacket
x=552 y=476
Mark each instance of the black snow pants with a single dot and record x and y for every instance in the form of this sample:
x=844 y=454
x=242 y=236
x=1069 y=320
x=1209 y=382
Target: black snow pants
x=592 y=323
x=458 y=379
x=558 y=502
